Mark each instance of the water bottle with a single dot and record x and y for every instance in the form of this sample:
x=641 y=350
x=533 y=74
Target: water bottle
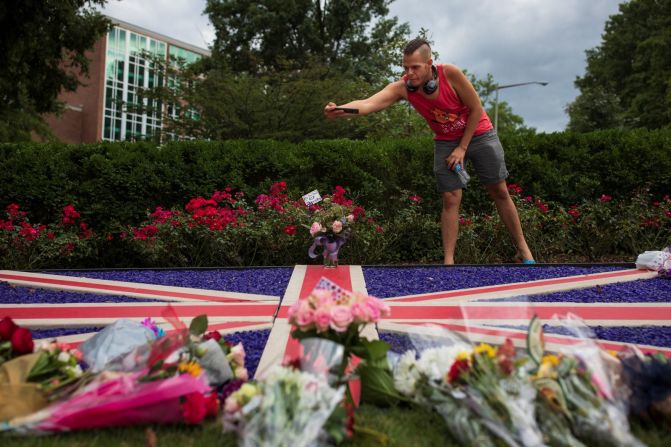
x=463 y=175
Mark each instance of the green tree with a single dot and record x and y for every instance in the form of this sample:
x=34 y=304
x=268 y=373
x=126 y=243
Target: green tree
x=275 y=64
x=355 y=38
x=628 y=77
x=486 y=88
x=42 y=45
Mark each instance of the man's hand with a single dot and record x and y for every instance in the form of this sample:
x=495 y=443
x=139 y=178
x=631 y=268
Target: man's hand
x=330 y=112
x=456 y=157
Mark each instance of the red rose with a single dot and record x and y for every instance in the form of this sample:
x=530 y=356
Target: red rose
x=211 y=405
x=455 y=371
x=290 y=230
x=7 y=328
x=215 y=335
x=193 y=408
x=22 y=341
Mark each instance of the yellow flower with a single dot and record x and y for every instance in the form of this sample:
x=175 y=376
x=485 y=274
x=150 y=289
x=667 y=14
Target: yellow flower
x=192 y=368
x=246 y=392
x=546 y=370
x=463 y=355
x=484 y=348
x=551 y=359
x=611 y=352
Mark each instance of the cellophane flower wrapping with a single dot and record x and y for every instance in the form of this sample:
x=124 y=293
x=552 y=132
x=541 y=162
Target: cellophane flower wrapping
x=118 y=399
x=590 y=390
x=483 y=399
x=121 y=346
x=288 y=408
x=333 y=313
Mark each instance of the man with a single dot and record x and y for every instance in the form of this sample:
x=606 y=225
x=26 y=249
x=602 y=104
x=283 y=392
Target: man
x=447 y=100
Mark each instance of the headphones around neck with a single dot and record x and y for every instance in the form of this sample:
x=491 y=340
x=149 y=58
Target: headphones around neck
x=429 y=86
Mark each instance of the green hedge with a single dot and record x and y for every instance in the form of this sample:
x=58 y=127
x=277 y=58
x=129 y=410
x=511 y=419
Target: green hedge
x=117 y=183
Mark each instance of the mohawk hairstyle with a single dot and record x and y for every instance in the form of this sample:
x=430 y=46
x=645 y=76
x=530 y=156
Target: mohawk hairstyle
x=414 y=45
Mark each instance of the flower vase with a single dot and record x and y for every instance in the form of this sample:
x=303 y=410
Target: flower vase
x=330 y=253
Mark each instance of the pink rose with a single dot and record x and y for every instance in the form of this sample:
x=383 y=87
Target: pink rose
x=381 y=308
x=373 y=311
x=238 y=354
x=360 y=312
x=341 y=317
x=241 y=373
x=337 y=226
x=231 y=405
x=293 y=311
x=350 y=218
x=321 y=298
x=305 y=314
x=322 y=319
x=315 y=228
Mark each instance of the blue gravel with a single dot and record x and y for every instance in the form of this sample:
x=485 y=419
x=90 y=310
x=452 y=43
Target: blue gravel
x=386 y=282
x=54 y=333
x=399 y=343
x=264 y=281
x=254 y=342
x=10 y=294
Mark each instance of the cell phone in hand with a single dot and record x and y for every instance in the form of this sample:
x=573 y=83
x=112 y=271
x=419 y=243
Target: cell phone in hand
x=347 y=110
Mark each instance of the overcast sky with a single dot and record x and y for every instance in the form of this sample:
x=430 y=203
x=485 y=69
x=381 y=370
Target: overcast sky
x=514 y=40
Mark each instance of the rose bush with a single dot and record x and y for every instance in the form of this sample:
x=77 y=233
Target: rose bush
x=225 y=229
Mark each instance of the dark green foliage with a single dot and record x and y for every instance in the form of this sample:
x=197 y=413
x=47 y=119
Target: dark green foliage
x=113 y=184
x=351 y=37
x=627 y=81
x=42 y=45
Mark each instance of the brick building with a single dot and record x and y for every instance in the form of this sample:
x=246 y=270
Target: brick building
x=93 y=112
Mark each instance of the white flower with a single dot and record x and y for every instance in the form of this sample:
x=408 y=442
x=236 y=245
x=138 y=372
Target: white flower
x=63 y=357
x=406 y=374
x=74 y=371
x=435 y=363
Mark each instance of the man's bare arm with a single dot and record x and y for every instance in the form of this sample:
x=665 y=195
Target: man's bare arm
x=466 y=92
x=389 y=95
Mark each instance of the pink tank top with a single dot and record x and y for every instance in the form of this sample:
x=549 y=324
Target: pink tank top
x=446 y=115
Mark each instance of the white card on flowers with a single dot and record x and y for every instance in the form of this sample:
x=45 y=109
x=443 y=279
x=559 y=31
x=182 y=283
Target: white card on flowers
x=312 y=197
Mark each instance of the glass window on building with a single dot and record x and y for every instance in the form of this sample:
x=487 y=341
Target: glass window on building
x=128 y=70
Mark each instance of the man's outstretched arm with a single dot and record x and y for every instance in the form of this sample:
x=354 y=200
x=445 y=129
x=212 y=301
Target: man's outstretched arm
x=389 y=95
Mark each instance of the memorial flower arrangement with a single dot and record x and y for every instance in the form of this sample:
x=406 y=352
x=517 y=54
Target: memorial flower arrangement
x=288 y=407
x=499 y=396
x=58 y=367
x=482 y=397
x=173 y=379
x=331 y=223
x=332 y=313
x=14 y=340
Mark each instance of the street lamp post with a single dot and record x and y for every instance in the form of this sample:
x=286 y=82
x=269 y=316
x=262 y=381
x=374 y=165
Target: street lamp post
x=496 y=100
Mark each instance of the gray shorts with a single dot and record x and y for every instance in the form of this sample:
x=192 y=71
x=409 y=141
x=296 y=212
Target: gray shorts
x=485 y=154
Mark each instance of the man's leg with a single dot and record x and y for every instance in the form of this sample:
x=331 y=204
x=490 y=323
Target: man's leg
x=506 y=208
x=449 y=223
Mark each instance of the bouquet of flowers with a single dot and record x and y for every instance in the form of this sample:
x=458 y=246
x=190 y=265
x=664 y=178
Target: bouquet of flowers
x=331 y=225
x=58 y=369
x=648 y=378
x=578 y=383
x=173 y=386
x=14 y=340
x=495 y=396
x=338 y=315
x=483 y=397
x=288 y=408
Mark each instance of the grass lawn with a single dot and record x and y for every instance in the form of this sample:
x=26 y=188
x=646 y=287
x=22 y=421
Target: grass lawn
x=403 y=426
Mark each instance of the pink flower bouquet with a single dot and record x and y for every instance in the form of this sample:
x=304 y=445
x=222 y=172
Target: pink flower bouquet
x=340 y=316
